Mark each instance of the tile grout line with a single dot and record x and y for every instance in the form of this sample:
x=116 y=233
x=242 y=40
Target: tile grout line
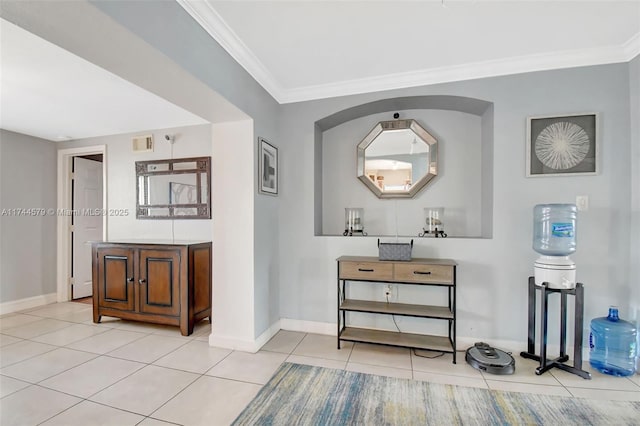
x=28 y=358
x=143 y=335
x=125 y=377
x=198 y=378
x=200 y=375
x=353 y=346
x=174 y=396
x=297 y=344
x=413 y=374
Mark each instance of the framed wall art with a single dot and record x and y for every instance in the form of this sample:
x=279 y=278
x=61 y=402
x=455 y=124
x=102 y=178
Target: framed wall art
x=562 y=145
x=268 y=168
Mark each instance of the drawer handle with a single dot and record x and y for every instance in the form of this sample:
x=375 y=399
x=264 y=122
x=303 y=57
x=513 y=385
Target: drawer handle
x=421 y=273
x=365 y=270
x=130 y=279
x=142 y=281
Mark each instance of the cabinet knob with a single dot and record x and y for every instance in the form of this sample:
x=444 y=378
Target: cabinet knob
x=365 y=270
x=142 y=281
x=421 y=273
x=130 y=279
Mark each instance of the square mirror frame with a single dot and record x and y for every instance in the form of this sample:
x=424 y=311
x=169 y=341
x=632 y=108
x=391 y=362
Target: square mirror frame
x=201 y=209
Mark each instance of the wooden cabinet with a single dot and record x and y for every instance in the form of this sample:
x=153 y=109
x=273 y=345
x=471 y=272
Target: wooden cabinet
x=162 y=283
x=417 y=272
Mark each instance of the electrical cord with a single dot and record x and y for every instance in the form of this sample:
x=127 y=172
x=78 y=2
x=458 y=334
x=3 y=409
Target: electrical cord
x=439 y=354
x=393 y=317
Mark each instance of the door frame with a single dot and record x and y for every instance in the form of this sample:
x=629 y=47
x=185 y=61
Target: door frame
x=65 y=160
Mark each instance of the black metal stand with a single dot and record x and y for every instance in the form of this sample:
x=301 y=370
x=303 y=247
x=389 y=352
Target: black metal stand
x=559 y=362
x=352 y=231
x=437 y=233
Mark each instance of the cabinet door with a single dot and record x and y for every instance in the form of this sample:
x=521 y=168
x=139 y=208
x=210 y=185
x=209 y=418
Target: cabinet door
x=116 y=278
x=159 y=279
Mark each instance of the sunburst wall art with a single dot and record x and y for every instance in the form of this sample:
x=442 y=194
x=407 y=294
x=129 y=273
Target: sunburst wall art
x=561 y=145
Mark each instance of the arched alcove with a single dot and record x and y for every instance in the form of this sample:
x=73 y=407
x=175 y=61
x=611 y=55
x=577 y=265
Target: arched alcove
x=464 y=185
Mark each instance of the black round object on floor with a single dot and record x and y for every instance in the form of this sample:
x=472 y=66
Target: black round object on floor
x=483 y=357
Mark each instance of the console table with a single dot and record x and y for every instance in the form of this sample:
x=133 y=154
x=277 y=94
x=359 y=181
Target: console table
x=418 y=272
x=162 y=282
x=559 y=362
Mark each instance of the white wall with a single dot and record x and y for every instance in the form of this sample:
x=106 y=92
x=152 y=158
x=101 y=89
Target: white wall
x=233 y=206
x=634 y=236
x=492 y=273
x=459 y=164
x=192 y=141
x=28 y=243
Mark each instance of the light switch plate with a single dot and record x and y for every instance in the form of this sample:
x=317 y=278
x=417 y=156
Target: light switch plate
x=582 y=202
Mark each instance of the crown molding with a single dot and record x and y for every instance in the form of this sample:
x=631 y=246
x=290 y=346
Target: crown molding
x=470 y=71
x=215 y=25
x=631 y=47
x=212 y=22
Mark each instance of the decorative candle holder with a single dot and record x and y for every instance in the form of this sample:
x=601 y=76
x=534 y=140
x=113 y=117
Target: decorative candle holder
x=434 y=219
x=353 y=221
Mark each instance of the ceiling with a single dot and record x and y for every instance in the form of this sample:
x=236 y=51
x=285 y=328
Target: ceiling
x=48 y=92
x=302 y=50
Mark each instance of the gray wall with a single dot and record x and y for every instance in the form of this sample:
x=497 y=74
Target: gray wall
x=459 y=165
x=28 y=243
x=492 y=272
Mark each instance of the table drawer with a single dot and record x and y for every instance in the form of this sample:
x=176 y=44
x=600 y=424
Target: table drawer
x=424 y=273
x=373 y=271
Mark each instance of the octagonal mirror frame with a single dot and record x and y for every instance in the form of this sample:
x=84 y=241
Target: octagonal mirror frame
x=422 y=134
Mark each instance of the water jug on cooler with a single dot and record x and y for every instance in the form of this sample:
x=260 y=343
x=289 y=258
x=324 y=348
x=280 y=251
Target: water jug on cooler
x=554 y=238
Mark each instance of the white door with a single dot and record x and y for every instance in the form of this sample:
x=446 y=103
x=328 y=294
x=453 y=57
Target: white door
x=87 y=221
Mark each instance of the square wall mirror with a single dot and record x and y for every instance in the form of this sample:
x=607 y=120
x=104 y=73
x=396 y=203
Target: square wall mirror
x=174 y=189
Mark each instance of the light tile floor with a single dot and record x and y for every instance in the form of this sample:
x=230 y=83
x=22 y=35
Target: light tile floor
x=58 y=368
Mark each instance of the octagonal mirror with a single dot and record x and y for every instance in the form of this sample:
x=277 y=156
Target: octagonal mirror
x=397 y=159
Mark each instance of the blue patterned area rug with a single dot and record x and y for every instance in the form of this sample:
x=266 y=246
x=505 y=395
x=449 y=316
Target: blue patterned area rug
x=305 y=395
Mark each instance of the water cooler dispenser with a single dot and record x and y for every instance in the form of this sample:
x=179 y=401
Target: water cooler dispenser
x=554 y=238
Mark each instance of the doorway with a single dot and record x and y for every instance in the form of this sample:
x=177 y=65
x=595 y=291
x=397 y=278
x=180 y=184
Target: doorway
x=86 y=220
x=90 y=192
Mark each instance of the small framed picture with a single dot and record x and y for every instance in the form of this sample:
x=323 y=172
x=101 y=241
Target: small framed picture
x=268 y=168
x=562 y=145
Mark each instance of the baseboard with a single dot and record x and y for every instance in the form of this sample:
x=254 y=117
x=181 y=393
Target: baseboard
x=330 y=329
x=243 y=345
x=267 y=335
x=303 y=326
x=27 y=303
x=462 y=342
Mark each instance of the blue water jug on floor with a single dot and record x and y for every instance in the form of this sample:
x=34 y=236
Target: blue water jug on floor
x=612 y=345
